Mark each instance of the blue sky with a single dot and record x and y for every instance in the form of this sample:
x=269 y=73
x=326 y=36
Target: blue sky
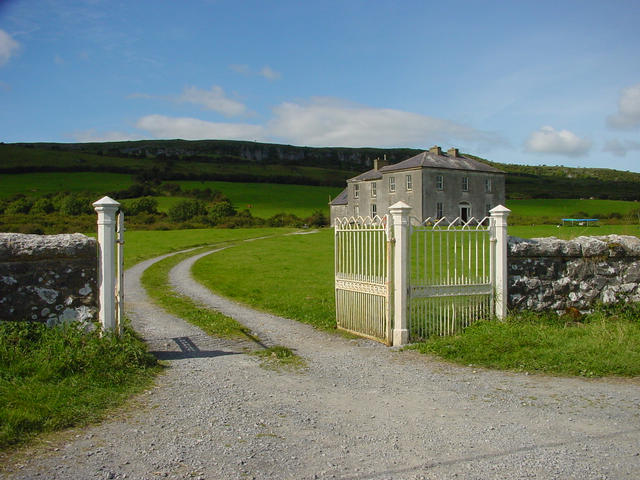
x=539 y=82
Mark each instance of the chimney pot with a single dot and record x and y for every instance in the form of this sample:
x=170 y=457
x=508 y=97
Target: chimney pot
x=453 y=152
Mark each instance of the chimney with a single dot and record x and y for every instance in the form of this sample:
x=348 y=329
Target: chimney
x=375 y=164
x=453 y=152
x=435 y=150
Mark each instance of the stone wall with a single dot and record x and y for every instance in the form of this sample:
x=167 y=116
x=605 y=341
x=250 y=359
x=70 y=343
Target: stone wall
x=48 y=278
x=553 y=274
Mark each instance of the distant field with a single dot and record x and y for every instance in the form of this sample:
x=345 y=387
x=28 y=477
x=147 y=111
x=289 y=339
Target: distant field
x=37 y=184
x=266 y=199
x=567 y=233
x=565 y=208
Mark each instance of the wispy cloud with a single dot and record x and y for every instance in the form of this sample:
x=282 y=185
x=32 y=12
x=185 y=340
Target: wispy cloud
x=333 y=122
x=214 y=99
x=266 y=71
x=547 y=140
x=269 y=73
x=621 y=147
x=628 y=114
x=8 y=47
x=161 y=126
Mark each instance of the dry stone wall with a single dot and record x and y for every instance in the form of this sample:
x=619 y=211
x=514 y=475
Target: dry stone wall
x=48 y=278
x=553 y=274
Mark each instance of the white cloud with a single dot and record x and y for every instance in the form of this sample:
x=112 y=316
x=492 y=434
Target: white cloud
x=332 y=122
x=621 y=147
x=628 y=114
x=161 y=126
x=559 y=142
x=266 y=71
x=269 y=73
x=214 y=99
x=95 y=136
x=8 y=47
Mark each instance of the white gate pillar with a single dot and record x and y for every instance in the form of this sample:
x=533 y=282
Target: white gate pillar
x=400 y=217
x=107 y=209
x=499 y=216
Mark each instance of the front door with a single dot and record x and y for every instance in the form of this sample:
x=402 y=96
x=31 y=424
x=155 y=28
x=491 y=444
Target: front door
x=465 y=212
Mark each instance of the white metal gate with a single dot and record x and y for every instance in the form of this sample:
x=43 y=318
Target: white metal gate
x=450 y=276
x=397 y=283
x=362 y=267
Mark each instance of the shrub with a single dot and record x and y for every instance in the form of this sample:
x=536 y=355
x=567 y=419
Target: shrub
x=219 y=211
x=143 y=205
x=21 y=205
x=186 y=210
x=43 y=206
x=318 y=219
x=74 y=206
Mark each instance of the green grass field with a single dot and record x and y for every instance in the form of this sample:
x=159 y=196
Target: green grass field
x=39 y=184
x=567 y=207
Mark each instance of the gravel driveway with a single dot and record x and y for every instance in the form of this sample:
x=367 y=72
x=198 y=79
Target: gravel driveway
x=359 y=411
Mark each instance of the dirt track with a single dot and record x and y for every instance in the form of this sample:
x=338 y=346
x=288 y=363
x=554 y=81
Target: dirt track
x=359 y=411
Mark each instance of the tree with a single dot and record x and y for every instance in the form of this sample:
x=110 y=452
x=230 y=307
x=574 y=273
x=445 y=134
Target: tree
x=186 y=210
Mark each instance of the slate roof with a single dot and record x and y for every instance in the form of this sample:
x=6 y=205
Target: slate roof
x=432 y=160
x=341 y=199
x=372 y=174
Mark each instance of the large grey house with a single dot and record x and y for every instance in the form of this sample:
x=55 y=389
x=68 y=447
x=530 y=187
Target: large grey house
x=434 y=183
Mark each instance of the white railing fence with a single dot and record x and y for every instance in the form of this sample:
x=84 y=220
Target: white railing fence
x=110 y=264
x=441 y=275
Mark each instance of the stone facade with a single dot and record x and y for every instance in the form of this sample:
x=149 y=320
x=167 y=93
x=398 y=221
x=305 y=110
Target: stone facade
x=48 y=278
x=434 y=184
x=553 y=274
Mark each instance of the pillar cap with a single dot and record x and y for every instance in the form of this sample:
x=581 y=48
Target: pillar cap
x=399 y=206
x=500 y=209
x=106 y=202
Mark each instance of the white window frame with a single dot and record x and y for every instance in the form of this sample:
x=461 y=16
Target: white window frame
x=374 y=190
x=465 y=184
x=439 y=182
x=487 y=185
x=439 y=210
x=409 y=182
x=392 y=184
x=356 y=190
x=374 y=210
x=356 y=211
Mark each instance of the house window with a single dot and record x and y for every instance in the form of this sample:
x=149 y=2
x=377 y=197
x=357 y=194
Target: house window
x=488 y=208
x=356 y=210
x=439 y=210
x=409 y=182
x=373 y=189
x=356 y=191
x=487 y=185
x=392 y=184
x=465 y=184
x=439 y=182
x=374 y=210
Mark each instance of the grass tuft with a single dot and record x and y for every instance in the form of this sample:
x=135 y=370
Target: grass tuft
x=279 y=357
x=54 y=378
x=604 y=342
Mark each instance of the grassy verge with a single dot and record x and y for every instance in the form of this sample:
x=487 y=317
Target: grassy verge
x=54 y=378
x=605 y=342
x=291 y=276
x=280 y=358
x=155 y=281
x=143 y=244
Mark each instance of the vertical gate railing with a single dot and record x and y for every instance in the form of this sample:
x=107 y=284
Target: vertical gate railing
x=362 y=276
x=119 y=293
x=396 y=282
x=451 y=276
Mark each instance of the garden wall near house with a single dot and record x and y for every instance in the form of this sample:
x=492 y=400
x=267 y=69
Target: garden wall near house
x=48 y=278
x=553 y=274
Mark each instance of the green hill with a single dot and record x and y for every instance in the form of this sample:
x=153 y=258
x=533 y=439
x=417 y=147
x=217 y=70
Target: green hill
x=238 y=161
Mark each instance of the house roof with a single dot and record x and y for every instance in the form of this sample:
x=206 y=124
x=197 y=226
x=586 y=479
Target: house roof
x=372 y=174
x=341 y=199
x=432 y=160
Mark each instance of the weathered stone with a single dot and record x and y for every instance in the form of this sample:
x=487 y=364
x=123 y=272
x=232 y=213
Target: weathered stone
x=632 y=273
x=47 y=278
x=592 y=246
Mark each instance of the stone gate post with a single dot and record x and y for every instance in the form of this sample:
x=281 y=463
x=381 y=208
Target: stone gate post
x=107 y=209
x=400 y=218
x=499 y=216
